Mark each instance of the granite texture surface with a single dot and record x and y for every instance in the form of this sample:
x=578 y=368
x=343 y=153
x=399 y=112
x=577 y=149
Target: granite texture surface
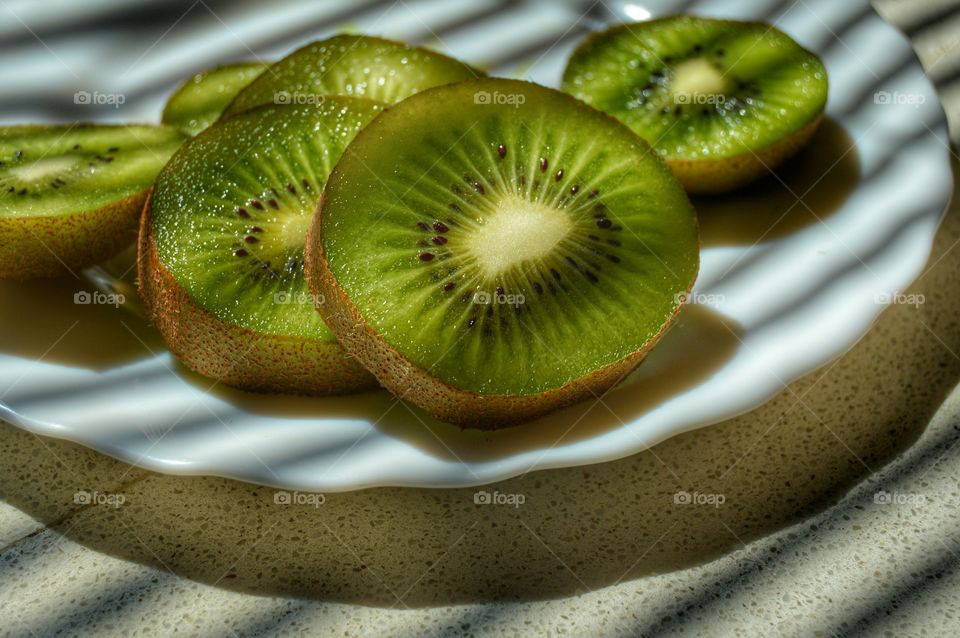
x=834 y=509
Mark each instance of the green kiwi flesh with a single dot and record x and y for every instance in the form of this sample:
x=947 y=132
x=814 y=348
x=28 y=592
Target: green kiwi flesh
x=70 y=195
x=227 y=222
x=198 y=102
x=353 y=65
x=700 y=89
x=498 y=239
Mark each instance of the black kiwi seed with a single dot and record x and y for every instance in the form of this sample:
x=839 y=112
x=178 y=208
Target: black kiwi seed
x=558 y=176
x=76 y=147
x=613 y=242
x=604 y=223
x=455 y=207
x=574 y=189
x=113 y=149
x=592 y=277
x=256 y=204
x=291 y=189
x=250 y=239
x=439 y=240
x=477 y=186
x=426 y=256
x=423 y=243
x=256 y=229
x=242 y=212
x=502 y=151
x=240 y=252
x=556 y=275
x=543 y=164
x=538 y=287
x=572 y=262
x=273 y=203
x=306 y=184
x=423 y=226
x=449 y=286
x=613 y=258
x=440 y=227
x=593 y=194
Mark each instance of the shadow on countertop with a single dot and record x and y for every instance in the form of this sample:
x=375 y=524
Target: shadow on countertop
x=578 y=529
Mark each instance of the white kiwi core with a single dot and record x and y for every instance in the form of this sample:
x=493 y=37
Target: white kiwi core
x=697 y=76
x=513 y=232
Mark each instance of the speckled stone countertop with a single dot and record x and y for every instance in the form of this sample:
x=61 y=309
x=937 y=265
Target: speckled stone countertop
x=840 y=515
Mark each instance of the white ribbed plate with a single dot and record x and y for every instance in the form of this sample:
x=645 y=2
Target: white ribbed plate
x=770 y=307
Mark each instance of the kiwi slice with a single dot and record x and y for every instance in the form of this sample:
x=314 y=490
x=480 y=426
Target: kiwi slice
x=354 y=65
x=198 y=102
x=724 y=102
x=494 y=249
x=71 y=195
x=221 y=249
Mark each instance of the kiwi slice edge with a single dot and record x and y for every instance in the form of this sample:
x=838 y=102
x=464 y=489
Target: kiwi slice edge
x=200 y=99
x=307 y=72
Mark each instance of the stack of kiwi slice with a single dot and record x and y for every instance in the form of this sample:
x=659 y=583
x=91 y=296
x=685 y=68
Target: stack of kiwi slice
x=365 y=212
x=221 y=252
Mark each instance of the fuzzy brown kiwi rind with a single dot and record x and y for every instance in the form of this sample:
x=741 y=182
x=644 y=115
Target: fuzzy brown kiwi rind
x=439 y=399
x=44 y=247
x=234 y=356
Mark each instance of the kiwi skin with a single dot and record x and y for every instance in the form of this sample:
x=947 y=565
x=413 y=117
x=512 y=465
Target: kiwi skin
x=51 y=246
x=238 y=357
x=440 y=399
x=715 y=176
